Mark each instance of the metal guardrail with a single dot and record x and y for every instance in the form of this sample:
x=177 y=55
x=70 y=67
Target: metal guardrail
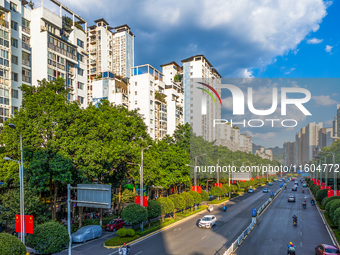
x=245 y=232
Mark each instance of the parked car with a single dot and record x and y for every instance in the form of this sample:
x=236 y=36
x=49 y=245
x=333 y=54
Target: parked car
x=265 y=190
x=291 y=198
x=87 y=233
x=115 y=224
x=208 y=221
x=323 y=249
x=250 y=190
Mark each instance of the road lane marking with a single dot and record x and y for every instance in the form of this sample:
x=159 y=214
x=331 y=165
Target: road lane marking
x=216 y=228
x=203 y=237
x=139 y=252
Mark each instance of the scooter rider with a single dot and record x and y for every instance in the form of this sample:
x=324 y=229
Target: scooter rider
x=291 y=248
x=304 y=204
x=295 y=218
x=224 y=207
x=312 y=201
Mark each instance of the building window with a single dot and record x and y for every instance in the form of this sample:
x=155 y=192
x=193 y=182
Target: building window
x=25 y=23
x=80 y=57
x=151 y=83
x=13 y=7
x=151 y=112
x=14 y=76
x=135 y=83
x=135 y=93
x=15 y=93
x=80 y=85
x=190 y=74
x=151 y=102
x=80 y=43
x=14 y=108
x=14 y=25
x=151 y=92
x=14 y=42
x=151 y=121
x=136 y=102
x=14 y=59
x=80 y=71
x=80 y=100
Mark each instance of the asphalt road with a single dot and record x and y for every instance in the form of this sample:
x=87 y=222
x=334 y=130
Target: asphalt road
x=275 y=229
x=187 y=237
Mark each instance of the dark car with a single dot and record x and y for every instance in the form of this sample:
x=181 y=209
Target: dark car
x=323 y=249
x=291 y=199
x=115 y=224
x=294 y=189
x=265 y=190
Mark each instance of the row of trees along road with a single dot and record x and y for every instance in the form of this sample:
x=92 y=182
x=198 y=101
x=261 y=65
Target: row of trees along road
x=64 y=143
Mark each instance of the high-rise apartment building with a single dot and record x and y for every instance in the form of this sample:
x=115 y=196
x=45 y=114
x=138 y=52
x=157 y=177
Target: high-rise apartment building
x=111 y=49
x=174 y=95
x=289 y=153
x=231 y=137
x=59 y=49
x=147 y=93
x=199 y=68
x=337 y=118
x=325 y=137
x=123 y=54
x=265 y=153
x=15 y=55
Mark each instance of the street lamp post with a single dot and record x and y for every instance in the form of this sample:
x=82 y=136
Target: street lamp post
x=195 y=174
x=334 y=176
x=22 y=194
x=232 y=164
x=218 y=173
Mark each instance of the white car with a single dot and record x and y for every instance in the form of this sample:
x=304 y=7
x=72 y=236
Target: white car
x=280 y=180
x=208 y=221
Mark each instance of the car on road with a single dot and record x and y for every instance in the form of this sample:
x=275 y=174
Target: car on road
x=270 y=184
x=291 y=198
x=304 y=185
x=296 y=183
x=280 y=180
x=87 y=233
x=293 y=179
x=265 y=190
x=208 y=221
x=274 y=180
x=294 y=189
x=115 y=224
x=323 y=249
x=250 y=190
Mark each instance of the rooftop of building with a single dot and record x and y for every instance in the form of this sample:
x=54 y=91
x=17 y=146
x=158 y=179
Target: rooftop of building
x=171 y=63
x=102 y=20
x=81 y=20
x=202 y=57
x=123 y=28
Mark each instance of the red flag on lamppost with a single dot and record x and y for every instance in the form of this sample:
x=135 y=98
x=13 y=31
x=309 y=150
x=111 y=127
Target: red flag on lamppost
x=17 y=223
x=29 y=224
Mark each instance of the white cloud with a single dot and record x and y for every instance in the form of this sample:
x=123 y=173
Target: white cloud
x=290 y=70
x=328 y=48
x=236 y=35
x=262 y=136
x=324 y=100
x=314 y=41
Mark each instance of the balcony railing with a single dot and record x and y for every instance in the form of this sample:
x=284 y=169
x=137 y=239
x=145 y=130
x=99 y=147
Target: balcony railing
x=26 y=62
x=26 y=30
x=26 y=79
x=62 y=51
x=4 y=23
x=26 y=46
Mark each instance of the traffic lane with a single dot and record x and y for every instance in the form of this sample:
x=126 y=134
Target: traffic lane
x=91 y=247
x=276 y=229
x=187 y=238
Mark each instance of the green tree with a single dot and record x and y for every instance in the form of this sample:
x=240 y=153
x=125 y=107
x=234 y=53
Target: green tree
x=321 y=194
x=50 y=237
x=167 y=206
x=225 y=189
x=179 y=203
x=188 y=199
x=10 y=245
x=154 y=210
x=126 y=197
x=33 y=205
x=135 y=214
x=197 y=197
x=204 y=195
x=216 y=191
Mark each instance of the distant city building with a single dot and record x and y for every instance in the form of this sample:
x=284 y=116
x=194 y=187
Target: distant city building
x=337 y=134
x=289 y=153
x=265 y=153
x=335 y=127
x=325 y=137
x=231 y=137
x=199 y=68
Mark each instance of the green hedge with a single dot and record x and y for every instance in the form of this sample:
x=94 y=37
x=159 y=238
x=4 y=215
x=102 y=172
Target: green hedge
x=327 y=202
x=10 y=245
x=117 y=241
x=321 y=194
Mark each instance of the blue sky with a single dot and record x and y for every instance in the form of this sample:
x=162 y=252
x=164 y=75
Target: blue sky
x=241 y=38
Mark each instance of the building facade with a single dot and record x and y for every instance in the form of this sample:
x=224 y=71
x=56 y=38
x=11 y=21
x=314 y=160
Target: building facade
x=231 y=137
x=289 y=153
x=265 y=153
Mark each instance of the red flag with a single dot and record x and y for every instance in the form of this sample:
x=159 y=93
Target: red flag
x=218 y=185
x=17 y=223
x=145 y=200
x=29 y=224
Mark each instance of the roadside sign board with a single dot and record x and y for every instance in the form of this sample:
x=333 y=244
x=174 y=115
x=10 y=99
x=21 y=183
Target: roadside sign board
x=98 y=195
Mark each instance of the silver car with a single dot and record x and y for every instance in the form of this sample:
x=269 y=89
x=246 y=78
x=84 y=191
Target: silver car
x=87 y=233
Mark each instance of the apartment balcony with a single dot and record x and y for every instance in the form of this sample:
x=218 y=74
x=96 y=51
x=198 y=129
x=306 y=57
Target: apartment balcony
x=26 y=79
x=26 y=46
x=93 y=62
x=4 y=23
x=26 y=62
x=93 y=51
x=93 y=41
x=26 y=30
x=62 y=51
